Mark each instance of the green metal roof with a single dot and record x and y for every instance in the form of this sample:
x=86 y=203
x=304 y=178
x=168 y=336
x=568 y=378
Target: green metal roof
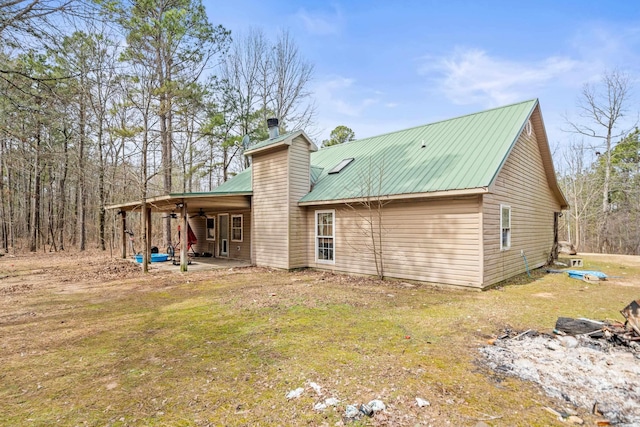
x=456 y=154
x=463 y=153
x=240 y=183
x=316 y=172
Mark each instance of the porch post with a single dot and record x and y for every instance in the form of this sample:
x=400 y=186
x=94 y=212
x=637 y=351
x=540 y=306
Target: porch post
x=123 y=235
x=148 y=231
x=184 y=238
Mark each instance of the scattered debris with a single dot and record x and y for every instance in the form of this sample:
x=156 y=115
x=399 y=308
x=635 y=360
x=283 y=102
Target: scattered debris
x=377 y=405
x=570 y=326
x=615 y=333
x=632 y=314
x=565 y=416
x=294 y=394
x=422 y=403
x=332 y=401
x=351 y=411
x=567 y=341
x=320 y=406
x=366 y=410
x=315 y=387
x=587 y=363
x=575 y=420
x=568 y=248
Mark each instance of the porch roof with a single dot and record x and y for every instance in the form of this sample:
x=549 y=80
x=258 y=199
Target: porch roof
x=194 y=202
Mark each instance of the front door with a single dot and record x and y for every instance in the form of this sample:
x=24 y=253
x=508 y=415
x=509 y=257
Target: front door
x=223 y=234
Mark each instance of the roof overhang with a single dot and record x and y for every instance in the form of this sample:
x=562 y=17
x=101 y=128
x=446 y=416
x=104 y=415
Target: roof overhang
x=193 y=201
x=430 y=195
x=285 y=142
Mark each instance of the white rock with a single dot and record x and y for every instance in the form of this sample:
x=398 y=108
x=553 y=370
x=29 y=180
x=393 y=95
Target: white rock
x=316 y=387
x=293 y=394
x=351 y=411
x=377 y=405
x=422 y=403
x=332 y=401
x=320 y=406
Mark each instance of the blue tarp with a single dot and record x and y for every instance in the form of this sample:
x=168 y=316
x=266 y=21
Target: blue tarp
x=579 y=274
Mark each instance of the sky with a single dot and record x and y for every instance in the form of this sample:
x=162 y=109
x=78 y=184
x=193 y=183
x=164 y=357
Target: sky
x=382 y=66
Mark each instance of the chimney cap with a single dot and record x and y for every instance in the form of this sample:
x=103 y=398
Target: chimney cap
x=272 y=122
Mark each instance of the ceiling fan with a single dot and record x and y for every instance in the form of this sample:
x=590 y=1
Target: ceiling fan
x=172 y=215
x=200 y=214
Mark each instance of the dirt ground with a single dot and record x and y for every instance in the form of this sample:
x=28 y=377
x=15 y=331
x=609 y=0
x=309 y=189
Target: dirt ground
x=365 y=339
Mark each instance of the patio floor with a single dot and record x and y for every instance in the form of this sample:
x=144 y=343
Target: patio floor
x=200 y=264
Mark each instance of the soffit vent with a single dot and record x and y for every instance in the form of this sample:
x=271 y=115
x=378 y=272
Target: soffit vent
x=343 y=164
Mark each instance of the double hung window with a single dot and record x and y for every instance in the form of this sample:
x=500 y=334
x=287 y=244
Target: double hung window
x=325 y=236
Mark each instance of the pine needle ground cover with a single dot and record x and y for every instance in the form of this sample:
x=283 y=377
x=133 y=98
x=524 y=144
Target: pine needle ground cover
x=93 y=341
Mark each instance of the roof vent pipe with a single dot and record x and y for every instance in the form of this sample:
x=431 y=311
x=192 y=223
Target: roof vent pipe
x=272 y=124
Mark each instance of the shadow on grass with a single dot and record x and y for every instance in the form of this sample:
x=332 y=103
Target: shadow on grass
x=522 y=279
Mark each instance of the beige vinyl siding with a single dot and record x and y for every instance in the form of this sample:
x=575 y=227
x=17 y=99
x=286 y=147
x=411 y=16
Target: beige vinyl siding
x=198 y=226
x=270 y=209
x=522 y=184
x=241 y=250
x=299 y=185
x=427 y=240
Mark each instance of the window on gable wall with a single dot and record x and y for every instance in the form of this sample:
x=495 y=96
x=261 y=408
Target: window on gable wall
x=236 y=228
x=505 y=227
x=325 y=236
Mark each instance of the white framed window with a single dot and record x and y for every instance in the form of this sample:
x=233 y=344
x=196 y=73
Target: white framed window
x=505 y=227
x=211 y=229
x=325 y=236
x=236 y=228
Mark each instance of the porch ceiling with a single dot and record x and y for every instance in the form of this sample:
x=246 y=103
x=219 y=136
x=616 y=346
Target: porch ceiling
x=193 y=201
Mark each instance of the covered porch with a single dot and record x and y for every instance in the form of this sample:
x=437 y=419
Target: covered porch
x=204 y=228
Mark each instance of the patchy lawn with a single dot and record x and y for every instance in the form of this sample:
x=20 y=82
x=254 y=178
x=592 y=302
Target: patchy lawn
x=92 y=341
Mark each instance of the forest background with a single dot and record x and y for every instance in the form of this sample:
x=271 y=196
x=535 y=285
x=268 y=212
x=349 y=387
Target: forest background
x=113 y=101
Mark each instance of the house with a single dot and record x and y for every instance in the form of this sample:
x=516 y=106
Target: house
x=459 y=202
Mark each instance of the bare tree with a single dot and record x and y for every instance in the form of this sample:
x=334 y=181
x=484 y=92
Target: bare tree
x=262 y=79
x=369 y=209
x=28 y=16
x=290 y=95
x=602 y=107
x=581 y=187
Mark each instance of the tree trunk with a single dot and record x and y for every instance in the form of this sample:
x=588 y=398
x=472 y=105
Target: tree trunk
x=82 y=196
x=34 y=217
x=62 y=200
x=3 y=203
x=101 y=191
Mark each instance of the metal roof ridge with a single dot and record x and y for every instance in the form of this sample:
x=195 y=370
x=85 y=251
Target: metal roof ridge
x=429 y=124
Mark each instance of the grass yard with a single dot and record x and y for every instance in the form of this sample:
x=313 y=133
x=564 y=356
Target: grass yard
x=92 y=341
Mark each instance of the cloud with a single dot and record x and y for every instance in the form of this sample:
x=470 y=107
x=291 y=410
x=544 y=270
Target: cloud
x=341 y=96
x=322 y=23
x=471 y=76
x=607 y=48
